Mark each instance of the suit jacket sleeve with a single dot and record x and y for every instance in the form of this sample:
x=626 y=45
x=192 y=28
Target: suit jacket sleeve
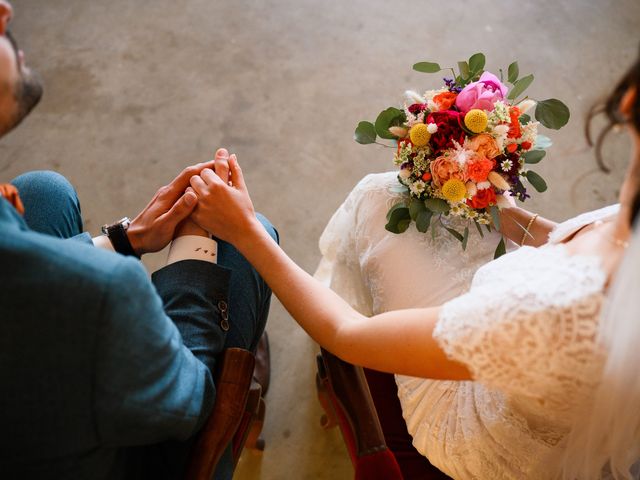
x=149 y=386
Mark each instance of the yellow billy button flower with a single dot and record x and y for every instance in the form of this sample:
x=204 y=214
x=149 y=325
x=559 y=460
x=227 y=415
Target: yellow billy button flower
x=476 y=120
x=419 y=135
x=454 y=190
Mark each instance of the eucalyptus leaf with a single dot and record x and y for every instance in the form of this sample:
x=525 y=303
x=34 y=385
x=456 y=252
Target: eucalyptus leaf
x=534 y=156
x=477 y=62
x=465 y=238
x=501 y=249
x=415 y=208
x=388 y=118
x=520 y=86
x=437 y=205
x=392 y=209
x=479 y=229
x=464 y=69
x=423 y=221
x=495 y=216
x=537 y=181
x=513 y=72
x=542 y=142
x=426 y=67
x=403 y=225
x=524 y=119
x=457 y=235
x=365 y=133
x=398 y=215
x=552 y=113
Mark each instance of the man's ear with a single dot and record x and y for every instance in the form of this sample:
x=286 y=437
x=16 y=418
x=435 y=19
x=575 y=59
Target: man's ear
x=627 y=101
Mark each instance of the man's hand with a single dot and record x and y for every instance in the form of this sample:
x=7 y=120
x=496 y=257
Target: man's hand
x=224 y=206
x=154 y=227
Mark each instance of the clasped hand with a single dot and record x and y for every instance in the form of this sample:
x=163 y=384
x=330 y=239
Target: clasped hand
x=207 y=198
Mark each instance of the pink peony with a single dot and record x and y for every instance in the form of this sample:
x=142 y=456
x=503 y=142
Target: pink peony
x=481 y=94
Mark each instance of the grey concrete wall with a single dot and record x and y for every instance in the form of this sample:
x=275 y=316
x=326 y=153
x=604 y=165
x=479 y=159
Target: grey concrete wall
x=136 y=89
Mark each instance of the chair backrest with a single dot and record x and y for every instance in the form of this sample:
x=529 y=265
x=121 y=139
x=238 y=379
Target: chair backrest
x=232 y=390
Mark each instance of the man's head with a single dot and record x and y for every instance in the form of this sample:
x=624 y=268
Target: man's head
x=20 y=88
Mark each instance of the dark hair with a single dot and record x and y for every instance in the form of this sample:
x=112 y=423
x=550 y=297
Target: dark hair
x=611 y=108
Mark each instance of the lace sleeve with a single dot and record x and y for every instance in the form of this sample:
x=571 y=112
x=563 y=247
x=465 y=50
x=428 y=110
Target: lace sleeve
x=528 y=325
x=339 y=267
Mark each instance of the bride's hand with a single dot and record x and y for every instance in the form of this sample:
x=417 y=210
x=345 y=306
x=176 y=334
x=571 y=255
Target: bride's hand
x=224 y=206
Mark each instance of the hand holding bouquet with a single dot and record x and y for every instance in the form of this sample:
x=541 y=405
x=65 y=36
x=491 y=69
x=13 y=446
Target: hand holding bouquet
x=462 y=149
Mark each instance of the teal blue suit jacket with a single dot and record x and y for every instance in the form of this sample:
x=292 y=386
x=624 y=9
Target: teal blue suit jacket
x=92 y=362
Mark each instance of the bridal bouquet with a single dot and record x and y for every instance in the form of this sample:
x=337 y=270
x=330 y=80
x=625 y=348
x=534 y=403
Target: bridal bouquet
x=463 y=148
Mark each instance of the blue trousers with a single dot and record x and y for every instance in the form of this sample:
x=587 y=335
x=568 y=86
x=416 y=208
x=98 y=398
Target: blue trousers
x=52 y=207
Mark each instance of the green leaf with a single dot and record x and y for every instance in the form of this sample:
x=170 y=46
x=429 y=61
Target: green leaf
x=477 y=62
x=388 y=118
x=365 y=133
x=457 y=235
x=437 y=205
x=426 y=67
x=501 y=249
x=415 y=208
x=399 y=220
x=524 y=119
x=403 y=225
x=537 y=181
x=495 y=216
x=423 y=221
x=395 y=207
x=513 y=73
x=464 y=69
x=542 y=142
x=520 y=86
x=552 y=113
x=465 y=238
x=534 y=156
x=479 y=229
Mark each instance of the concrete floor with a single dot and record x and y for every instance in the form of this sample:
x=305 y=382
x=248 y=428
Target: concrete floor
x=135 y=90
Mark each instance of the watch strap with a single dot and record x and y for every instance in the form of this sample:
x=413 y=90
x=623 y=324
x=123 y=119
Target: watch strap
x=118 y=236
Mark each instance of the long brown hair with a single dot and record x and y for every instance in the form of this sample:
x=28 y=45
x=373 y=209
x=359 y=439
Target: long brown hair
x=611 y=108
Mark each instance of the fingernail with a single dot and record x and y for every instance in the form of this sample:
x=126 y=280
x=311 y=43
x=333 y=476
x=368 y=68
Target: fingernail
x=222 y=152
x=190 y=199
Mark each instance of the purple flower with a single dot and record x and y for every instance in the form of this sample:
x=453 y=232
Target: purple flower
x=481 y=94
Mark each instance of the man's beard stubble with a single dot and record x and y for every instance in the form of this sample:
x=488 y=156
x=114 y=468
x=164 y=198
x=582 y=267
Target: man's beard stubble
x=27 y=91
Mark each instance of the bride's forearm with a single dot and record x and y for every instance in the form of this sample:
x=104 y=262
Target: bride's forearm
x=514 y=222
x=318 y=310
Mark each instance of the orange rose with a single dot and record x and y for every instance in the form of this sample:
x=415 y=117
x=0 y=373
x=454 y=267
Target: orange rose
x=445 y=168
x=484 y=145
x=483 y=199
x=445 y=100
x=479 y=168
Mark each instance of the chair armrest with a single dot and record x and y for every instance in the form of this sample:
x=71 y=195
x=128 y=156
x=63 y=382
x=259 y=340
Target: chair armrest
x=232 y=390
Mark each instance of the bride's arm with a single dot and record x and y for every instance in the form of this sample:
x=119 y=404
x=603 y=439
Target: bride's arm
x=399 y=342
x=514 y=221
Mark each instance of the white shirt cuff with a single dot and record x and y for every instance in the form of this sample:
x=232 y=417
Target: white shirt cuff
x=103 y=242
x=193 y=247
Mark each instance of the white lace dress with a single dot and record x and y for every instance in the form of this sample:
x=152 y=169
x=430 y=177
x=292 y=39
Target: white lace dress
x=525 y=328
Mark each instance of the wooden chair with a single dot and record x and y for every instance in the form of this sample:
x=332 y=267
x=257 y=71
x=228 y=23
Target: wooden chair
x=346 y=399
x=237 y=415
x=345 y=394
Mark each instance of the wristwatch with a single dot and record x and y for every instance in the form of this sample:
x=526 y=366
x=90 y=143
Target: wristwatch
x=117 y=234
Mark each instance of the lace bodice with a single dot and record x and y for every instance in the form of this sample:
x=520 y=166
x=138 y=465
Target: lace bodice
x=525 y=328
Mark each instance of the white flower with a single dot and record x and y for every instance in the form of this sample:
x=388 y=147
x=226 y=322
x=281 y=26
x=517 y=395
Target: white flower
x=413 y=97
x=506 y=165
x=501 y=129
x=432 y=128
x=461 y=154
x=417 y=187
x=404 y=175
x=456 y=210
x=483 y=185
x=525 y=106
x=483 y=221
